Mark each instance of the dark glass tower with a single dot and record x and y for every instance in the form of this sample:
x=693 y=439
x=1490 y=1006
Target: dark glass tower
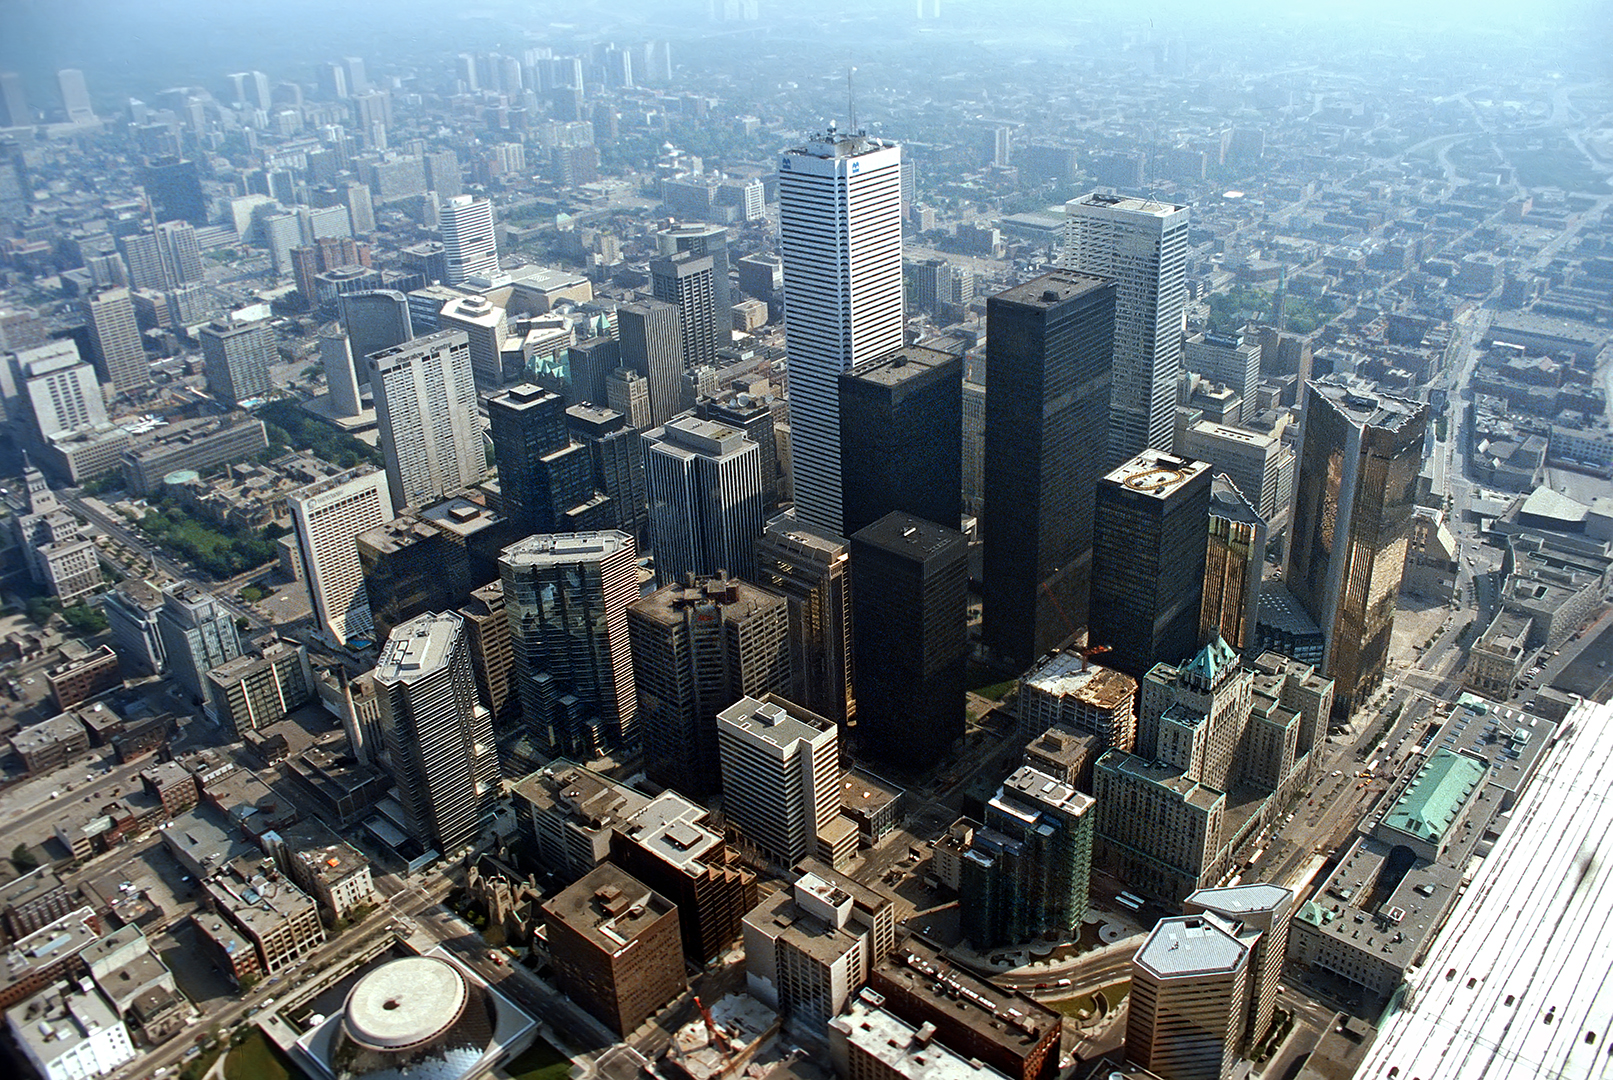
x=546 y=479
x=1359 y=457
x=1148 y=553
x=1048 y=358
x=901 y=438
x=910 y=598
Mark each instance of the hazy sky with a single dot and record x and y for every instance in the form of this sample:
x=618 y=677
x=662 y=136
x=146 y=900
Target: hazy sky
x=141 y=46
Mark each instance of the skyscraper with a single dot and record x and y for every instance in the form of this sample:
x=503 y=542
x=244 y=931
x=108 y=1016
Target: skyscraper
x=652 y=344
x=628 y=392
x=567 y=598
x=1232 y=568
x=1148 y=551
x=1261 y=914
x=1360 y=453
x=425 y=404
x=14 y=110
x=840 y=215
x=1029 y=870
x=1048 y=358
x=115 y=346
x=780 y=775
x=180 y=251
x=197 y=633
x=75 y=95
x=688 y=282
x=699 y=238
x=238 y=356
x=174 y=186
x=545 y=478
x=698 y=647
x=375 y=320
x=1141 y=244
x=468 y=241
x=326 y=517
x=1189 y=999
x=341 y=378
x=617 y=456
x=704 y=484
x=910 y=591
x=60 y=389
x=438 y=737
x=813 y=573
x=901 y=438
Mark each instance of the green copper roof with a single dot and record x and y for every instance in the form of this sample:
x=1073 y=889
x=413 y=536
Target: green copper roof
x=1217 y=656
x=1434 y=799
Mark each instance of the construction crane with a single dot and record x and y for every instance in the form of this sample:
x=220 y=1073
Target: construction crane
x=1089 y=651
x=718 y=1039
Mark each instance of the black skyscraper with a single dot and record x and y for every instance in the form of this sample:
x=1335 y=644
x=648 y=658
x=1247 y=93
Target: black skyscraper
x=547 y=480
x=174 y=186
x=1148 y=552
x=901 y=438
x=652 y=344
x=1049 y=351
x=910 y=599
x=617 y=454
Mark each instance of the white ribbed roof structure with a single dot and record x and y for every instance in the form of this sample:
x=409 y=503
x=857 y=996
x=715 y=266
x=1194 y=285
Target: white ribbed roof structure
x=1517 y=984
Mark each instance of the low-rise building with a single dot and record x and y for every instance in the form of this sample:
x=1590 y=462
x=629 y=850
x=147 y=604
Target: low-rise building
x=70 y=1034
x=1498 y=657
x=1007 y=1030
x=280 y=920
x=80 y=679
x=173 y=785
x=808 y=949
x=341 y=786
x=49 y=953
x=324 y=866
x=50 y=743
x=191 y=444
x=868 y=1043
x=615 y=947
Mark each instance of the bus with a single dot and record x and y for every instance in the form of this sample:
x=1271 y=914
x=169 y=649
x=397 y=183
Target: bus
x=1130 y=902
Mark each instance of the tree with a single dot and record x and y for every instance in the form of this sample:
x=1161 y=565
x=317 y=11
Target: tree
x=23 y=858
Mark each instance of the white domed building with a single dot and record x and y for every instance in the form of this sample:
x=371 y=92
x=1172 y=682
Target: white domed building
x=420 y=1018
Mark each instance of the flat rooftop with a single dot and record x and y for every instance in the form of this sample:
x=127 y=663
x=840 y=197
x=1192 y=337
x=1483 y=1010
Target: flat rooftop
x=1002 y=1016
x=1066 y=673
x=544 y=550
x=1050 y=289
x=416 y=648
x=609 y=907
x=1189 y=945
x=1365 y=405
x=1157 y=474
x=903 y=365
x=774 y=721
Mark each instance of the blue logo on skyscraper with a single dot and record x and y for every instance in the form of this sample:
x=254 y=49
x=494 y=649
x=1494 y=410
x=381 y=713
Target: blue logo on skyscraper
x=784 y=163
x=856 y=166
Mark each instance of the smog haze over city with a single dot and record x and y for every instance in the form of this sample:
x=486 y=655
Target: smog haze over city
x=740 y=540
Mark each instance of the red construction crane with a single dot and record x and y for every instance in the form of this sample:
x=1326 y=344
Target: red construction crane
x=1092 y=650
x=718 y=1039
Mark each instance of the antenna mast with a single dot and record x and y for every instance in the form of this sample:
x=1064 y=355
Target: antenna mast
x=851 y=99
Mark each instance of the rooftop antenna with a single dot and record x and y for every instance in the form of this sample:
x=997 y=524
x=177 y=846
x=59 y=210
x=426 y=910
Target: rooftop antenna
x=851 y=99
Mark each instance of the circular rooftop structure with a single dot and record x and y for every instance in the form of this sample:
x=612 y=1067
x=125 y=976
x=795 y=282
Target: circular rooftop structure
x=418 y=1017
x=405 y=1003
